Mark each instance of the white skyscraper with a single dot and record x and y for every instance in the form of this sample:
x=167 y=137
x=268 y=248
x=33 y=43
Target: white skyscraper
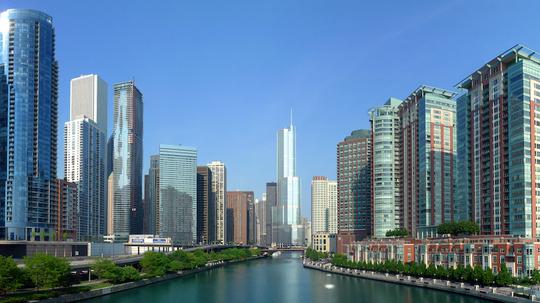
x=88 y=98
x=288 y=188
x=219 y=196
x=84 y=164
x=323 y=205
x=85 y=153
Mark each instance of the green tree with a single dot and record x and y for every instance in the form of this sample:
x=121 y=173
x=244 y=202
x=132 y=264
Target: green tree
x=154 y=263
x=458 y=228
x=535 y=276
x=10 y=275
x=487 y=277
x=431 y=271
x=398 y=233
x=442 y=272
x=108 y=270
x=47 y=271
x=130 y=273
x=478 y=273
x=504 y=277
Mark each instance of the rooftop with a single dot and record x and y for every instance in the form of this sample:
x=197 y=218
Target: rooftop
x=512 y=54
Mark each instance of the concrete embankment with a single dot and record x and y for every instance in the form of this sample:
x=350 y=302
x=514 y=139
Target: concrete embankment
x=131 y=285
x=490 y=293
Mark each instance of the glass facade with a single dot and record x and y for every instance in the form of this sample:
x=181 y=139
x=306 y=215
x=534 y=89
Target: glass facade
x=499 y=116
x=290 y=231
x=386 y=205
x=428 y=121
x=178 y=193
x=28 y=124
x=127 y=159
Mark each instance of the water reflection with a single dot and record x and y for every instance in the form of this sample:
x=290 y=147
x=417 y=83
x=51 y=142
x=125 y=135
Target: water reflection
x=281 y=279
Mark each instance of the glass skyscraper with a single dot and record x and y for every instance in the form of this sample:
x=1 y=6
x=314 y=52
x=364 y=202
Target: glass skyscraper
x=428 y=135
x=499 y=158
x=386 y=200
x=178 y=193
x=288 y=209
x=28 y=124
x=127 y=159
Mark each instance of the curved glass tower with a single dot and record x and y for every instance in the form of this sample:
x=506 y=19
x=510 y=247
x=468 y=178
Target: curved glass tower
x=127 y=159
x=28 y=124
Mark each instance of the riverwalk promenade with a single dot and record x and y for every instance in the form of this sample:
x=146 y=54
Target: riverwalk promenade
x=497 y=294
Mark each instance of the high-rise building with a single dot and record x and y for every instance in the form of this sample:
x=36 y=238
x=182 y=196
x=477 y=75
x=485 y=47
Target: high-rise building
x=323 y=205
x=28 y=124
x=428 y=150
x=238 y=204
x=353 y=188
x=260 y=220
x=84 y=165
x=205 y=206
x=271 y=213
x=499 y=158
x=252 y=222
x=88 y=99
x=110 y=205
x=387 y=211
x=151 y=197
x=127 y=159
x=66 y=205
x=219 y=197
x=307 y=232
x=85 y=152
x=178 y=193
x=288 y=189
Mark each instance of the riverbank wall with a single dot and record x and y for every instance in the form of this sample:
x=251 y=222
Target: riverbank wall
x=131 y=285
x=491 y=293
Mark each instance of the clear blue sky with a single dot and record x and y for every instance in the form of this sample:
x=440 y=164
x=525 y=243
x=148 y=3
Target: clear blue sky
x=222 y=75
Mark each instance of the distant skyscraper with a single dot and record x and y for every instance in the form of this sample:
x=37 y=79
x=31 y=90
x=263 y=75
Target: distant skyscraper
x=28 y=124
x=127 y=162
x=84 y=165
x=271 y=213
x=238 y=204
x=260 y=220
x=428 y=119
x=386 y=200
x=206 y=223
x=151 y=197
x=252 y=222
x=323 y=205
x=288 y=188
x=219 y=196
x=178 y=193
x=354 y=192
x=307 y=232
x=88 y=98
x=499 y=145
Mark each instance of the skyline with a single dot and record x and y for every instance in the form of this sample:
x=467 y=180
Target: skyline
x=315 y=64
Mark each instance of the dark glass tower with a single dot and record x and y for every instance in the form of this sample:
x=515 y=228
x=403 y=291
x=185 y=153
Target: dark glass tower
x=28 y=124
